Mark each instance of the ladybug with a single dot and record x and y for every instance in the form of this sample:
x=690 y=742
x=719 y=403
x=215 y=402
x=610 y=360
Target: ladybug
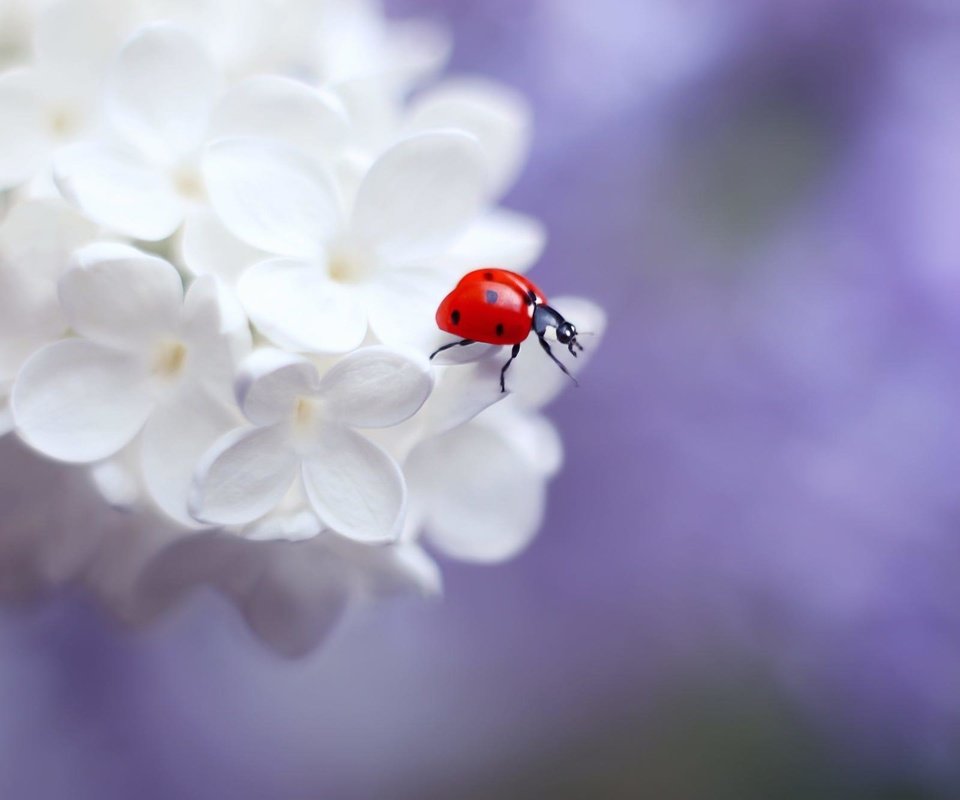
x=496 y=306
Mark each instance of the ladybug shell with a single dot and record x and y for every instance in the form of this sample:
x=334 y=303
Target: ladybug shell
x=494 y=306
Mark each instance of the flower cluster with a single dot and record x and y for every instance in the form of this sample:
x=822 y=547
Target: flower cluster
x=225 y=231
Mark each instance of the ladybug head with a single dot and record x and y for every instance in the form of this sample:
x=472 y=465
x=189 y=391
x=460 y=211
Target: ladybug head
x=567 y=334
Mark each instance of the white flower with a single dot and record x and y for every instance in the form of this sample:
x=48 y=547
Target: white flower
x=480 y=489
x=342 y=267
x=497 y=116
x=54 y=100
x=163 y=101
x=147 y=359
x=303 y=425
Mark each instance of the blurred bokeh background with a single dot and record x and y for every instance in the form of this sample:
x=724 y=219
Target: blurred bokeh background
x=748 y=585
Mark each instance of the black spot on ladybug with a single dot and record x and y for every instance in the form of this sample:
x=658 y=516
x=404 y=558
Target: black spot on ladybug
x=491 y=296
x=531 y=297
x=455 y=317
x=500 y=329
x=488 y=276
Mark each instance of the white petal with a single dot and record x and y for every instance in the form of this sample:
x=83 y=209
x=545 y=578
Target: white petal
x=116 y=190
x=297 y=599
x=376 y=387
x=173 y=441
x=534 y=378
x=269 y=383
x=483 y=501
x=468 y=354
x=402 y=305
x=501 y=237
x=274 y=107
x=78 y=401
x=531 y=435
x=290 y=526
x=14 y=350
x=271 y=196
x=36 y=240
x=74 y=41
x=117 y=480
x=217 y=335
x=420 y=194
x=296 y=306
x=409 y=566
x=388 y=571
x=162 y=91
x=121 y=297
x=356 y=489
x=463 y=392
x=415 y=49
x=24 y=140
x=243 y=476
x=208 y=248
x=495 y=114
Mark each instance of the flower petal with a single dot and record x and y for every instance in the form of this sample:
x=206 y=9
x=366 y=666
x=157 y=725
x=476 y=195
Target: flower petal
x=298 y=598
x=117 y=480
x=483 y=501
x=271 y=196
x=121 y=297
x=397 y=570
x=414 y=50
x=531 y=435
x=177 y=435
x=463 y=392
x=290 y=526
x=287 y=110
x=376 y=387
x=74 y=41
x=118 y=191
x=243 y=476
x=162 y=92
x=79 y=401
x=24 y=141
x=296 y=306
x=217 y=335
x=36 y=241
x=402 y=304
x=505 y=238
x=420 y=194
x=269 y=383
x=206 y=247
x=356 y=489
x=495 y=114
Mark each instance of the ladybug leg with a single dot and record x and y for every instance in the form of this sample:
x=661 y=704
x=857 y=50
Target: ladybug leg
x=513 y=354
x=461 y=343
x=546 y=348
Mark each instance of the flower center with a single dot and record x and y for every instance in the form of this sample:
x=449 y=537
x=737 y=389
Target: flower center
x=303 y=412
x=189 y=184
x=169 y=359
x=64 y=122
x=307 y=417
x=348 y=264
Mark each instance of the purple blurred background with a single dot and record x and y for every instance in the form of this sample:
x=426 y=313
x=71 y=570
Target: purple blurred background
x=749 y=581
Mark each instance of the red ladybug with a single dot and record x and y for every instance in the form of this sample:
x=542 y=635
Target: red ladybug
x=497 y=306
